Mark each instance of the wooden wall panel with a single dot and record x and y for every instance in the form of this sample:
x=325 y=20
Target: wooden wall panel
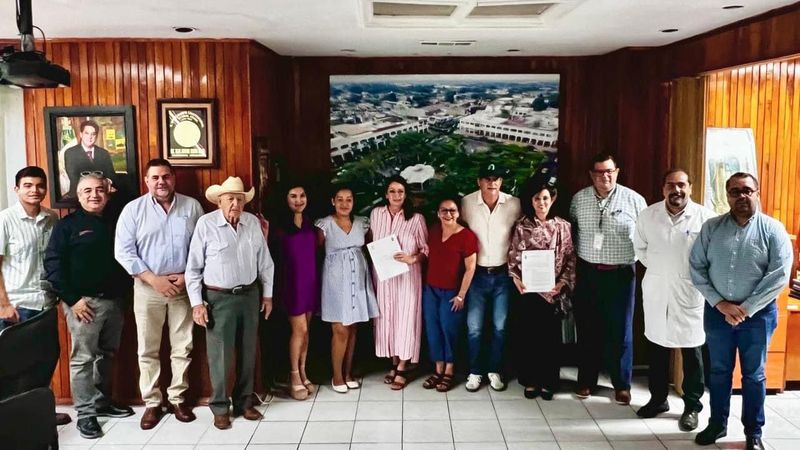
x=138 y=72
x=766 y=98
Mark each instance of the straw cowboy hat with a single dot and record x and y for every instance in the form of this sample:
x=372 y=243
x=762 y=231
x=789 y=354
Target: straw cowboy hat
x=233 y=185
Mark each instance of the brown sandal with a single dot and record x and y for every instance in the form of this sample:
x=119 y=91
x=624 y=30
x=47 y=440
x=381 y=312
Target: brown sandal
x=432 y=381
x=389 y=377
x=398 y=385
x=445 y=383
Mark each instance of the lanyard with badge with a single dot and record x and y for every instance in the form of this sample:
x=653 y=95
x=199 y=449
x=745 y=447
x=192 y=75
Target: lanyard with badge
x=602 y=206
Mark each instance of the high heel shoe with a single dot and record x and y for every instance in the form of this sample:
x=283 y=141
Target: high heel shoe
x=297 y=391
x=352 y=384
x=340 y=388
x=306 y=382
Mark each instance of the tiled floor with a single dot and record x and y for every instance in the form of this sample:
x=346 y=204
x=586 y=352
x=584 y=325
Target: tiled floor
x=375 y=417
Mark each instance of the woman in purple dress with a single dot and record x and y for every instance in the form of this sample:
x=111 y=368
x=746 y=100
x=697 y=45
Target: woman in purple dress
x=293 y=241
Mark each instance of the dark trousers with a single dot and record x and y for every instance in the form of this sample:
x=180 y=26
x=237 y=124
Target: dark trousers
x=234 y=326
x=538 y=336
x=443 y=326
x=751 y=338
x=24 y=314
x=692 y=385
x=604 y=317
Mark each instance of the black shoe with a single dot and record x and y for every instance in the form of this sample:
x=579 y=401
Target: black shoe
x=753 y=443
x=62 y=418
x=531 y=393
x=547 y=395
x=688 y=420
x=89 y=428
x=710 y=434
x=114 y=411
x=652 y=409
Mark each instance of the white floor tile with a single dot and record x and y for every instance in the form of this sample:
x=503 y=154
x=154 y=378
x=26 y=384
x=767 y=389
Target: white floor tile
x=595 y=445
x=119 y=447
x=416 y=392
x=324 y=447
x=376 y=446
x=666 y=429
x=576 y=430
x=427 y=431
x=272 y=447
x=526 y=430
x=425 y=410
x=533 y=446
x=381 y=410
x=330 y=411
x=625 y=430
x=480 y=446
x=563 y=409
x=380 y=392
x=428 y=446
x=174 y=432
x=278 y=433
x=783 y=444
x=518 y=409
x=327 y=394
x=461 y=393
x=476 y=431
x=380 y=431
x=168 y=447
x=221 y=447
x=780 y=428
x=466 y=410
x=637 y=445
x=240 y=432
x=128 y=433
x=328 y=433
x=288 y=411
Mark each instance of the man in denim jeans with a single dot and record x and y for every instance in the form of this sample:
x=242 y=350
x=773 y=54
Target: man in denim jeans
x=490 y=214
x=740 y=263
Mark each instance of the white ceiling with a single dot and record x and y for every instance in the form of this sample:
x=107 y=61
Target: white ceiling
x=325 y=27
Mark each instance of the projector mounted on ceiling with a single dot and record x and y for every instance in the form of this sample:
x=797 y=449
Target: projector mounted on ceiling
x=28 y=68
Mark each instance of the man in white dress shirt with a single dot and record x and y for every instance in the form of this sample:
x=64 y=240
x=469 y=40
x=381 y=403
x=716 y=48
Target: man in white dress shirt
x=229 y=263
x=673 y=308
x=490 y=214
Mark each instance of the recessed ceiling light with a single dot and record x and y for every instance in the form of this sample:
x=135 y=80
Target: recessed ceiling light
x=348 y=50
x=669 y=30
x=512 y=50
x=184 y=29
x=733 y=7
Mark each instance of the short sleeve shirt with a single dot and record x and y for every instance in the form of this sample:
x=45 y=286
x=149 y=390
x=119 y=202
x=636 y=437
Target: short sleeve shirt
x=446 y=259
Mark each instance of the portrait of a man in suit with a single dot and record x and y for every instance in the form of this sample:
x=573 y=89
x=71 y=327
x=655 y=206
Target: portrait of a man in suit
x=87 y=157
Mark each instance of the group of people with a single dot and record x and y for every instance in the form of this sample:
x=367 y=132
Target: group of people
x=710 y=279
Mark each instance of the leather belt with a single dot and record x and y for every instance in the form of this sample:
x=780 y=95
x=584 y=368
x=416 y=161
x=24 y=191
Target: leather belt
x=494 y=269
x=605 y=267
x=236 y=290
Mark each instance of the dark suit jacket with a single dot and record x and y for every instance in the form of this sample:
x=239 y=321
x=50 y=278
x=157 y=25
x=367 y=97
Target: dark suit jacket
x=76 y=161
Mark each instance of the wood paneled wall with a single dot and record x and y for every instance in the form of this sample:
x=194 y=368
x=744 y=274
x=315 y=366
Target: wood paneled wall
x=139 y=72
x=766 y=98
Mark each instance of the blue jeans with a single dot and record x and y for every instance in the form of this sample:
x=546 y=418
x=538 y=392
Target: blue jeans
x=488 y=292
x=751 y=338
x=442 y=325
x=24 y=314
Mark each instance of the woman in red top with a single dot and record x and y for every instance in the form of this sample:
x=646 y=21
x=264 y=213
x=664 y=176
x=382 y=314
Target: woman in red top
x=452 y=257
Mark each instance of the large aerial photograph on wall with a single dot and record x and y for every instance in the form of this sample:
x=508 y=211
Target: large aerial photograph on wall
x=437 y=130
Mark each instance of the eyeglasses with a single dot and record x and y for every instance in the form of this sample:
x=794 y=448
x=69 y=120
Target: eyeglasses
x=87 y=173
x=445 y=211
x=736 y=192
x=600 y=173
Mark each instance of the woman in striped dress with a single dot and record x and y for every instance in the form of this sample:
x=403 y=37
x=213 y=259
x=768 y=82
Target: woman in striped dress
x=347 y=294
x=398 y=330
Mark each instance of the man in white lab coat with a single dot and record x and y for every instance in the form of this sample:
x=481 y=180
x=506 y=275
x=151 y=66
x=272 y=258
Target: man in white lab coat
x=673 y=308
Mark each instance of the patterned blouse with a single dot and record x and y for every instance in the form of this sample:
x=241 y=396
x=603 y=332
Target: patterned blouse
x=537 y=235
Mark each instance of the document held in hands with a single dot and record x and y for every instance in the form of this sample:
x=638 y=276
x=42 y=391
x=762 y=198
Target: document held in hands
x=382 y=253
x=539 y=270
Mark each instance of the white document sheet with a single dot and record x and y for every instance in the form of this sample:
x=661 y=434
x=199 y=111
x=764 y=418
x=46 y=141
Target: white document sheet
x=382 y=253
x=539 y=270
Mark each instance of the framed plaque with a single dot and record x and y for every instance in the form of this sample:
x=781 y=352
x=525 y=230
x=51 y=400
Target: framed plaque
x=188 y=132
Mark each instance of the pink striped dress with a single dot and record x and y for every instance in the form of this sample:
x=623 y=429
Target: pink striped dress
x=398 y=329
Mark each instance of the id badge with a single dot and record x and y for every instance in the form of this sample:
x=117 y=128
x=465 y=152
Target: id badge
x=597 y=243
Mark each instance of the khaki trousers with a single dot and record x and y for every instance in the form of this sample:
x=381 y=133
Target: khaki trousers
x=151 y=309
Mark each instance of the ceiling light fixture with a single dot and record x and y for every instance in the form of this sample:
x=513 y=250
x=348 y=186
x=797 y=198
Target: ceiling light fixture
x=512 y=50
x=184 y=29
x=733 y=7
x=669 y=30
x=348 y=50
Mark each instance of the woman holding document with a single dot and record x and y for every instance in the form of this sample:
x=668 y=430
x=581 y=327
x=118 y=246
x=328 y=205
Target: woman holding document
x=451 y=265
x=347 y=295
x=398 y=329
x=540 y=253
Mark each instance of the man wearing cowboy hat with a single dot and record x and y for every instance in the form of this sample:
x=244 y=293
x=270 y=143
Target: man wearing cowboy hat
x=228 y=261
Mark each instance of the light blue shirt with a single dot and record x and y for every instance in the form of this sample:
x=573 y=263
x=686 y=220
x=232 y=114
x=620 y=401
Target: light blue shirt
x=748 y=265
x=149 y=238
x=224 y=257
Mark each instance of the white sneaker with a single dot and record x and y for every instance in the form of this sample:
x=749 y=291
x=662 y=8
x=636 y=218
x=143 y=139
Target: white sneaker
x=473 y=382
x=496 y=382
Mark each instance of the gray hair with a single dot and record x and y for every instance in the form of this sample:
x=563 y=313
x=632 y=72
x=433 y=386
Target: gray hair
x=92 y=176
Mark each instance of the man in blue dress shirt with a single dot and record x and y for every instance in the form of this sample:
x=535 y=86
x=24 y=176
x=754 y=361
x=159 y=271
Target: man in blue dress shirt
x=740 y=263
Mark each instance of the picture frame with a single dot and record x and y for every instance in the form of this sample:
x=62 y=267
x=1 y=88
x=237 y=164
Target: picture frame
x=188 y=132
x=110 y=132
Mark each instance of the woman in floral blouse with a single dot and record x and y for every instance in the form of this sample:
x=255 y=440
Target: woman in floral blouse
x=541 y=312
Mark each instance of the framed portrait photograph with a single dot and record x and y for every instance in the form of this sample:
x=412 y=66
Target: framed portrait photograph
x=187 y=132
x=84 y=139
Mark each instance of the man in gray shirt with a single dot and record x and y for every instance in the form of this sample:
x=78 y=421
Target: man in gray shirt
x=740 y=263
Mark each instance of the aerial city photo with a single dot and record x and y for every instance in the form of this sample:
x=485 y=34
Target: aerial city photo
x=436 y=130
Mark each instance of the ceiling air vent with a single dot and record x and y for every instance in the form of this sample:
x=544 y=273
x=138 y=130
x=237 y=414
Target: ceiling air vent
x=459 y=43
x=392 y=9
x=511 y=10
